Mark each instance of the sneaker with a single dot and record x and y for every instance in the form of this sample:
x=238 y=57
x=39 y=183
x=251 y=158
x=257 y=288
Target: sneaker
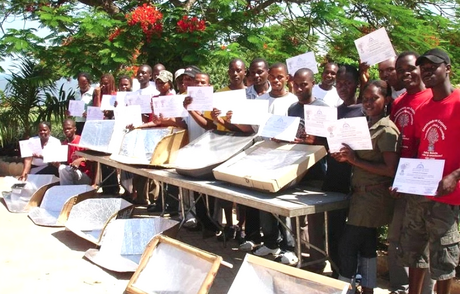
x=190 y=223
x=289 y=258
x=246 y=246
x=264 y=251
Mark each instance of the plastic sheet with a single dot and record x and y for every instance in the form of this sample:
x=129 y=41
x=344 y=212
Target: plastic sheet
x=200 y=156
x=171 y=270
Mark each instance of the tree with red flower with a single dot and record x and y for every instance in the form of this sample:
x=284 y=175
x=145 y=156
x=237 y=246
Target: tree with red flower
x=190 y=24
x=149 y=19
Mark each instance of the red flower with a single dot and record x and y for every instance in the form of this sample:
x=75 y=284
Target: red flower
x=149 y=19
x=114 y=34
x=190 y=24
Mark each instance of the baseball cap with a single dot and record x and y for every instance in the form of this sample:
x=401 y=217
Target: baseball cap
x=435 y=55
x=178 y=73
x=165 y=76
x=191 y=70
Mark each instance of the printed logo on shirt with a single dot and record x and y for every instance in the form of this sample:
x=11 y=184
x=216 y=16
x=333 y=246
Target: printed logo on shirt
x=433 y=131
x=404 y=117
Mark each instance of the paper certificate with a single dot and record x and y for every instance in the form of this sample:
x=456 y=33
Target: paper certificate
x=76 y=108
x=202 y=98
x=128 y=115
x=58 y=153
x=29 y=147
x=108 y=102
x=94 y=113
x=142 y=100
x=225 y=100
x=418 y=176
x=250 y=112
x=316 y=117
x=352 y=131
x=169 y=106
x=281 y=127
x=306 y=60
x=375 y=47
x=121 y=98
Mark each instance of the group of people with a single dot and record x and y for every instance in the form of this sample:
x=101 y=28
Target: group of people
x=411 y=112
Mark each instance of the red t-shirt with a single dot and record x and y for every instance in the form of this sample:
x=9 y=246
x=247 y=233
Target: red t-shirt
x=402 y=114
x=437 y=126
x=84 y=167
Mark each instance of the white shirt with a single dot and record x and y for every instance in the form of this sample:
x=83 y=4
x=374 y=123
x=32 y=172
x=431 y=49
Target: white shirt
x=330 y=97
x=150 y=90
x=279 y=105
x=86 y=97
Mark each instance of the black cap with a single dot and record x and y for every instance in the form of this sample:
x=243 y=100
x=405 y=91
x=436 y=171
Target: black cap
x=434 y=55
x=191 y=70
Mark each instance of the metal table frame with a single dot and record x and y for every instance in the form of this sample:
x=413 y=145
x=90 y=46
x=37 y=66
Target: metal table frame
x=293 y=202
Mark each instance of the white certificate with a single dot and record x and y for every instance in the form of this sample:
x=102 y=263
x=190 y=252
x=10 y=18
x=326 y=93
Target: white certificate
x=418 y=176
x=202 y=98
x=306 y=60
x=142 y=100
x=225 y=100
x=169 y=106
x=281 y=127
x=128 y=115
x=375 y=47
x=352 y=131
x=108 y=102
x=121 y=98
x=316 y=117
x=250 y=112
x=57 y=153
x=29 y=147
x=76 y=108
x=94 y=113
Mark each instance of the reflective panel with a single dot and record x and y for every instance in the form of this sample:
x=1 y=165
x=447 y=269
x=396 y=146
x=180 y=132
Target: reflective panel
x=53 y=203
x=137 y=146
x=88 y=218
x=124 y=242
x=19 y=198
x=270 y=277
x=97 y=134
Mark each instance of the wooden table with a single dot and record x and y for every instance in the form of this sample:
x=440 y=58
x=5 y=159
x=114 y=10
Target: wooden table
x=293 y=202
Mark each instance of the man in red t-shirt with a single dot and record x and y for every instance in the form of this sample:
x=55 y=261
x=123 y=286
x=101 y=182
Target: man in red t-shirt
x=402 y=114
x=430 y=237
x=78 y=171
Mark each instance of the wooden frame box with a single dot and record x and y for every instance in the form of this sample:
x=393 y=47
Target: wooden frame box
x=270 y=166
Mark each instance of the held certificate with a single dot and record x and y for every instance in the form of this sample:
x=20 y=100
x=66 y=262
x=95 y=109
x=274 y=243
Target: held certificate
x=418 y=176
x=281 y=127
x=224 y=100
x=76 y=108
x=352 y=131
x=202 y=98
x=29 y=147
x=306 y=60
x=94 y=113
x=250 y=112
x=142 y=100
x=375 y=47
x=169 y=106
x=316 y=117
x=58 y=153
x=108 y=102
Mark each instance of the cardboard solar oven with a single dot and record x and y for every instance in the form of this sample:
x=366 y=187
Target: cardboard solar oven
x=57 y=203
x=89 y=218
x=170 y=266
x=124 y=241
x=101 y=135
x=270 y=166
x=23 y=196
x=200 y=156
x=270 y=277
x=152 y=146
